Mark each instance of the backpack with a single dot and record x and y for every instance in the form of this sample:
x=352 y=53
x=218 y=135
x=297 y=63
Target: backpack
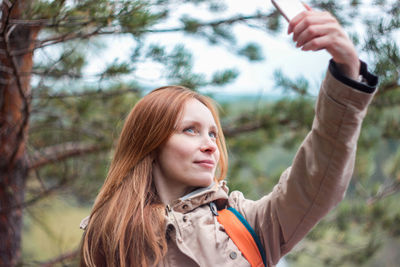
x=242 y=234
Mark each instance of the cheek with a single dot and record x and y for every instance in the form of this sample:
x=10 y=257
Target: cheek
x=216 y=155
x=178 y=151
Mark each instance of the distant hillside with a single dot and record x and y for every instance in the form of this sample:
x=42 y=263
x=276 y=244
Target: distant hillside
x=226 y=98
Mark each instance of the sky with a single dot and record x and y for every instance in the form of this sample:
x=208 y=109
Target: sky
x=255 y=77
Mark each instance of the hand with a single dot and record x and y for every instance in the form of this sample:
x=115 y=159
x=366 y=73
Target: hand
x=315 y=30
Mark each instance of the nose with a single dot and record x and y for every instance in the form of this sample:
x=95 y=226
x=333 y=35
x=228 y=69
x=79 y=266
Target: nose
x=209 y=145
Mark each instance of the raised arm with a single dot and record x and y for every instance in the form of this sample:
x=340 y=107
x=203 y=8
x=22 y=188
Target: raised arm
x=323 y=165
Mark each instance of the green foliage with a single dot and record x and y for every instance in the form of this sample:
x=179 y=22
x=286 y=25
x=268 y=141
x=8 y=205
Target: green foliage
x=135 y=16
x=336 y=8
x=191 y=25
x=274 y=23
x=224 y=77
x=221 y=32
x=69 y=106
x=116 y=69
x=40 y=9
x=179 y=64
x=299 y=86
x=252 y=51
x=157 y=52
x=217 y=6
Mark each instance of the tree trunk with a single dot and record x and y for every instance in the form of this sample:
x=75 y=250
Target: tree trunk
x=14 y=115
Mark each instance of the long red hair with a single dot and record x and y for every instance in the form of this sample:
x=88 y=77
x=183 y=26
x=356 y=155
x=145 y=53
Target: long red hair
x=127 y=223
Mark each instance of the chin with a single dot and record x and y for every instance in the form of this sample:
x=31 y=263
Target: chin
x=205 y=181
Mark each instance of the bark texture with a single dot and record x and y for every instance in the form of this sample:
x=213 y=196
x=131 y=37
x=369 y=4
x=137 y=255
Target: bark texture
x=14 y=116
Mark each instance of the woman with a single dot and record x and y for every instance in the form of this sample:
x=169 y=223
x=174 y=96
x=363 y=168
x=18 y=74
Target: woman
x=171 y=161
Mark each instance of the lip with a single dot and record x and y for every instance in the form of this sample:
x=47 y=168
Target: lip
x=205 y=163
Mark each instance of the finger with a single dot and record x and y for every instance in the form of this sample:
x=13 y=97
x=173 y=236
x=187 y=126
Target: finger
x=315 y=31
x=338 y=45
x=293 y=22
x=316 y=44
x=297 y=18
x=307 y=6
x=334 y=45
x=311 y=19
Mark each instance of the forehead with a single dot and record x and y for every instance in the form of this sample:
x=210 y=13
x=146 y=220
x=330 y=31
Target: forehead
x=195 y=111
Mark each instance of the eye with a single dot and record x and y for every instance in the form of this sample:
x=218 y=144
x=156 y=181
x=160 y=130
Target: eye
x=213 y=134
x=191 y=130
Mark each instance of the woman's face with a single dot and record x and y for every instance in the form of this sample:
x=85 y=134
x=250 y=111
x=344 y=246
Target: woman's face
x=190 y=156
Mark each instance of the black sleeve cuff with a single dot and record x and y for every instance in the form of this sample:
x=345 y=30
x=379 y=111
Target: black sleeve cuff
x=371 y=79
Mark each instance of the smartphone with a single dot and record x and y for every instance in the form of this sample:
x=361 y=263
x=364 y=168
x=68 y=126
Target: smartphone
x=289 y=8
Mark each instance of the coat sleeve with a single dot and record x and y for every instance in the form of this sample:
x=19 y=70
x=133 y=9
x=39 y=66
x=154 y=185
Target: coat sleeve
x=319 y=175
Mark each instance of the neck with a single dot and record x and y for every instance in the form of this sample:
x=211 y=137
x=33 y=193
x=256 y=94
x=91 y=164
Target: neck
x=169 y=191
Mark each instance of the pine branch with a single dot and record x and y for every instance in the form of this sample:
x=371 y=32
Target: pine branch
x=214 y=23
x=50 y=24
x=103 y=31
x=59 y=39
x=62 y=152
x=385 y=192
x=250 y=127
x=56 y=75
x=31 y=23
x=95 y=94
x=38 y=197
x=388 y=87
x=61 y=258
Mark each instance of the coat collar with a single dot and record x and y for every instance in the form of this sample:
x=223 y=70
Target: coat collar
x=216 y=192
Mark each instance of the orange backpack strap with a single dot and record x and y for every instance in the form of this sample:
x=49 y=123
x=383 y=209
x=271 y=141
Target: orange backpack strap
x=242 y=234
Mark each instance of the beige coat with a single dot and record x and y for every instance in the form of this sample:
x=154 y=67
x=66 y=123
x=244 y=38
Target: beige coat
x=307 y=191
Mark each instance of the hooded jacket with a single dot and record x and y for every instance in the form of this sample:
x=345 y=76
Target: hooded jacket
x=314 y=184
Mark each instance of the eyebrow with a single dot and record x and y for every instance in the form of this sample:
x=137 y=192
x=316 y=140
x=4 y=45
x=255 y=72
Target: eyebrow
x=184 y=122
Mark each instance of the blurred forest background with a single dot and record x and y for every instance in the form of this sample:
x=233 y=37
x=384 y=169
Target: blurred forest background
x=58 y=122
